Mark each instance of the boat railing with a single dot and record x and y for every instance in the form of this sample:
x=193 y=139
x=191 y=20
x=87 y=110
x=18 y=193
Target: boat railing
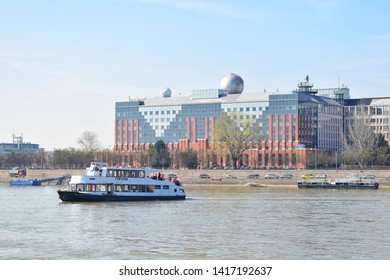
x=340 y=181
x=316 y=181
x=161 y=177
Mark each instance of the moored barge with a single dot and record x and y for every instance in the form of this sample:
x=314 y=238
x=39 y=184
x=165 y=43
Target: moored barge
x=352 y=182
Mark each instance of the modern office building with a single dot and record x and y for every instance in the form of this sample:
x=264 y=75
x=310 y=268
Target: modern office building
x=375 y=110
x=292 y=123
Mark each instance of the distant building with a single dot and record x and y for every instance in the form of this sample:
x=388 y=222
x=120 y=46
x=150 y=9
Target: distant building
x=376 y=110
x=293 y=123
x=18 y=146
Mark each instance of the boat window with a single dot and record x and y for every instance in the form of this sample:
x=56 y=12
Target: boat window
x=117 y=173
x=141 y=174
x=91 y=188
x=126 y=188
x=134 y=188
x=80 y=187
x=109 y=173
x=166 y=187
x=157 y=187
x=133 y=174
x=142 y=188
x=118 y=188
x=100 y=188
x=150 y=188
x=126 y=173
x=72 y=187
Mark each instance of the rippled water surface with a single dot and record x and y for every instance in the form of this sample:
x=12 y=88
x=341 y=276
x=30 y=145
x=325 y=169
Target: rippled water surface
x=213 y=223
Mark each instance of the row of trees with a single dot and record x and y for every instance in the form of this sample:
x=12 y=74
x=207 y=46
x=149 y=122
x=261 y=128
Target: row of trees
x=159 y=156
x=61 y=158
x=22 y=160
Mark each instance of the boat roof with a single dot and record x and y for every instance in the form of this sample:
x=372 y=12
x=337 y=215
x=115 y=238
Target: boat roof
x=147 y=170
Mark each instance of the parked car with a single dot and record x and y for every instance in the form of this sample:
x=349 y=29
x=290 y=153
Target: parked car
x=204 y=176
x=253 y=176
x=369 y=176
x=321 y=176
x=230 y=176
x=271 y=176
x=307 y=176
x=286 y=176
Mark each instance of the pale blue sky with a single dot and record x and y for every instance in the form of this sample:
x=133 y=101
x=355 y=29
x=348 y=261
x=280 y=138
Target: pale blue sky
x=64 y=64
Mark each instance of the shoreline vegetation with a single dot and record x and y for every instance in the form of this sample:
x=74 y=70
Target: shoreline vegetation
x=223 y=177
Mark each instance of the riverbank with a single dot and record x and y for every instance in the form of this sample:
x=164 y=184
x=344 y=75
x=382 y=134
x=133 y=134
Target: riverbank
x=223 y=177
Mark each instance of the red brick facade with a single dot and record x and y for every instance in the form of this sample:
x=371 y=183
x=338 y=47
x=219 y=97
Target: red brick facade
x=278 y=151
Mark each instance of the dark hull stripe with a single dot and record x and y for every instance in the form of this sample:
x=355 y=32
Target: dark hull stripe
x=82 y=197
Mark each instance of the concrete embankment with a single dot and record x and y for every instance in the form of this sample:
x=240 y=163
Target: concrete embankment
x=224 y=177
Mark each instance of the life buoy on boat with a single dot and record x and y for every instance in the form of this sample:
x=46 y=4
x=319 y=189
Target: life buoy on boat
x=65 y=197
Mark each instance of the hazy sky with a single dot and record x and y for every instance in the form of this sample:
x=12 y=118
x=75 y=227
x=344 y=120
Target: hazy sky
x=64 y=64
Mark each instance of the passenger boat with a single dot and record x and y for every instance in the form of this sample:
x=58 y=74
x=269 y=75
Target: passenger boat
x=352 y=182
x=103 y=183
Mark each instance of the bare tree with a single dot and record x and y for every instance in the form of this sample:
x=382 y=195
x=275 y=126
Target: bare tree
x=89 y=142
x=235 y=133
x=359 y=143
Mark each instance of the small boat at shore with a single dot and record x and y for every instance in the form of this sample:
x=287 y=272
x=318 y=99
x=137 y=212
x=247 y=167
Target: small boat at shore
x=39 y=182
x=33 y=182
x=103 y=183
x=352 y=182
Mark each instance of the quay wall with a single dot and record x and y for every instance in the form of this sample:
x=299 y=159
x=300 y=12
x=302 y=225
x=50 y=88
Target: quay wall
x=219 y=177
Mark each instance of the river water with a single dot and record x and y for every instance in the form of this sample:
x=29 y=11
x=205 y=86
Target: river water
x=213 y=223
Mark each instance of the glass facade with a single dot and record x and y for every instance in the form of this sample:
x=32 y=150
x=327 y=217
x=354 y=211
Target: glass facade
x=189 y=120
x=19 y=148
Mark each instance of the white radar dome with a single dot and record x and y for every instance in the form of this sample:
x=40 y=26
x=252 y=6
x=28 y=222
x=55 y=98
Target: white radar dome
x=232 y=83
x=165 y=92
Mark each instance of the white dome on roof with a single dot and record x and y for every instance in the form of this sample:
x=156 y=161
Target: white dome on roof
x=165 y=92
x=232 y=83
